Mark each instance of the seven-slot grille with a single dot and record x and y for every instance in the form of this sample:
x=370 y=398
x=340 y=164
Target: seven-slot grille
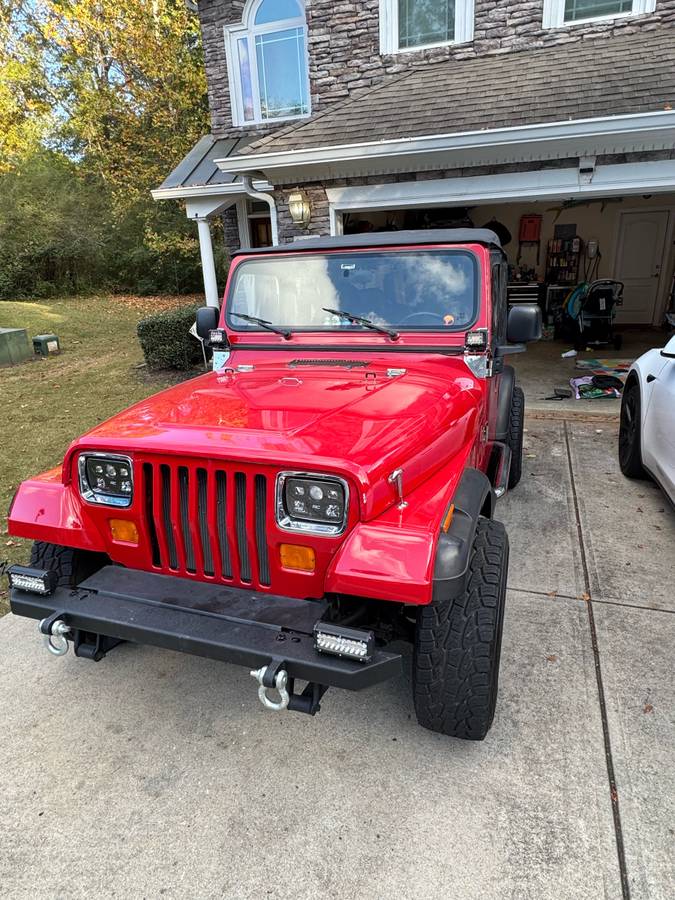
x=207 y=520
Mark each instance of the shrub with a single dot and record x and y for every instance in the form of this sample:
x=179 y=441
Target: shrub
x=166 y=341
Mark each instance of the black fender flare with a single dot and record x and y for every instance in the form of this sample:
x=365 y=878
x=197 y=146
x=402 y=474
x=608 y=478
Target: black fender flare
x=473 y=498
x=507 y=382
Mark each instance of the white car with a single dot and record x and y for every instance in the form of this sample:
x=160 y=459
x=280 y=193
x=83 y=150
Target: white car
x=647 y=431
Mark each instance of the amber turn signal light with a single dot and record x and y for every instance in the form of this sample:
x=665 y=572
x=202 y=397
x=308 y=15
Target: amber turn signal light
x=123 y=530
x=447 y=521
x=295 y=557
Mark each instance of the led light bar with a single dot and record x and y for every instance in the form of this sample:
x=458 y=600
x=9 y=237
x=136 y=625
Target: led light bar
x=476 y=340
x=35 y=581
x=218 y=337
x=338 y=640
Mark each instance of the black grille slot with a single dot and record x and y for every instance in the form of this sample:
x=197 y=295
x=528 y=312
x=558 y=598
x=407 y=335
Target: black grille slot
x=202 y=506
x=341 y=363
x=261 y=529
x=221 y=512
x=240 y=520
x=166 y=516
x=150 y=515
x=183 y=488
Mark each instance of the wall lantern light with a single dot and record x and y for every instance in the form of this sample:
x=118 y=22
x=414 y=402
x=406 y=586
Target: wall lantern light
x=299 y=208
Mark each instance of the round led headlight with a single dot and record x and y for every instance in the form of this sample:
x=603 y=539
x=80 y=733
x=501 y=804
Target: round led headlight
x=106 y=478
x=314 y=503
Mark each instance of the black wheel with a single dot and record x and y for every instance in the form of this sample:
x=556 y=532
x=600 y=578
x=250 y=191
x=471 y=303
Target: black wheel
x=617 y=340
x=458 y=642
x=515 y=435
x=630 y=455
x=71 y=566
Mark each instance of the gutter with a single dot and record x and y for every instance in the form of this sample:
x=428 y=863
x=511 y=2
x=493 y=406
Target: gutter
x=206 y=190
x=247 y=184
x=635 y=125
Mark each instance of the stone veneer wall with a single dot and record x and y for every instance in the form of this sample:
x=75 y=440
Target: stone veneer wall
x=344 y=45
x=231 y=229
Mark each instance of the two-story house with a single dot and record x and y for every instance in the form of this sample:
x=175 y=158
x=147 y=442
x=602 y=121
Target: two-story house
x=552 y=120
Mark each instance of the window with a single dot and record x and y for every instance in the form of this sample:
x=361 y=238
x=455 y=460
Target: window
x=408 y=290
x=267 y=62
x=558 y=13
x=415 y=24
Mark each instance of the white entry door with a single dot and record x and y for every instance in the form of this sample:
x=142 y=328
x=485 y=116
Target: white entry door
x=638 y=263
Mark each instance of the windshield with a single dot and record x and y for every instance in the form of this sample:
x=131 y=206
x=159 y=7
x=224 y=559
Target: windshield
x=406 y=290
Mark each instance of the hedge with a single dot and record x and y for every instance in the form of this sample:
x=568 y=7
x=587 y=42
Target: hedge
x=166 y=341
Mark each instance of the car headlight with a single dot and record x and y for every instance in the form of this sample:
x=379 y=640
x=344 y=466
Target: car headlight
x=314 y=503
x=106 y=478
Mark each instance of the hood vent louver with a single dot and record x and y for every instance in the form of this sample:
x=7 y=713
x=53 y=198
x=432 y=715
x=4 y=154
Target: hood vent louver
x=342 y=363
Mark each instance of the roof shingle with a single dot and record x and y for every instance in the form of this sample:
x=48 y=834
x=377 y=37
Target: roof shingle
x=617 y=75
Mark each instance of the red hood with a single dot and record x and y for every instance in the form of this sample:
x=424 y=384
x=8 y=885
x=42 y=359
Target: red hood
x=360 y=422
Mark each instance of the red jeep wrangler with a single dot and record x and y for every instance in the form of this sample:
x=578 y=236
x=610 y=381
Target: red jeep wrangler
x=326 y=492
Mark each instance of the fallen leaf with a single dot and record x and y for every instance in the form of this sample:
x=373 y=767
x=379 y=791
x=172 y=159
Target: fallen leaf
x=9 y=543
x=647 y=708
x=552 y=658
x=552 y=594
x=585 y=596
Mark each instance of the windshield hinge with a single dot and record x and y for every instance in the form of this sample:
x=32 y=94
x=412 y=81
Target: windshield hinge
x=479 y=363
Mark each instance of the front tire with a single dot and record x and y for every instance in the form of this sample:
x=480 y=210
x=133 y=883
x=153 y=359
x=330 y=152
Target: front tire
x=458 y=644
x=70 y=565
x=515 y=435
x=630 y=444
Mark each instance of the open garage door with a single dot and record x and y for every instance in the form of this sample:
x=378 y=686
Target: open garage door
x=629 y=239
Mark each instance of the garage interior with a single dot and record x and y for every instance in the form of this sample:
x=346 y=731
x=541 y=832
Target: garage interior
x=553 y=245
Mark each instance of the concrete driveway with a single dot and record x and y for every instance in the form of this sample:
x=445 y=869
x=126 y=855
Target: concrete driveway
x=156 y=774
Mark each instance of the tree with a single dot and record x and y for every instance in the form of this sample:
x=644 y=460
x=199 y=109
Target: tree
x=118 y=88
x=25 y=103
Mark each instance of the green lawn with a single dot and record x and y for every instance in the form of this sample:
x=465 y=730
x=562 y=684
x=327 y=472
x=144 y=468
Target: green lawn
x=48 y=403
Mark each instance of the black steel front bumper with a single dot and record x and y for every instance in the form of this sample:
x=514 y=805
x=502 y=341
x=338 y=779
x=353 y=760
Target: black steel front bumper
x=219 y=622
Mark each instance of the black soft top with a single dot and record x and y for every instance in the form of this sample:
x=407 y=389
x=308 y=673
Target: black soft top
x=385 y=239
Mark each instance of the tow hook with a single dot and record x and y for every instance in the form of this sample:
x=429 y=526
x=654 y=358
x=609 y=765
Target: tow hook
x=272 y=676
x=54 y=633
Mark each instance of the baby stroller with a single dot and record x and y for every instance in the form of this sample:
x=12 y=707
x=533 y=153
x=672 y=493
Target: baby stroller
x=590 y=311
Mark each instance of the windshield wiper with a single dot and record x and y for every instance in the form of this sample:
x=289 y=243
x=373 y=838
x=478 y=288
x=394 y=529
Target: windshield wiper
x=286 y=335
x=359 y=320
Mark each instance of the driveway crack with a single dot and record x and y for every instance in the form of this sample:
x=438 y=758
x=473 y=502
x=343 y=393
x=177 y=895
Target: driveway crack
x=613 y=791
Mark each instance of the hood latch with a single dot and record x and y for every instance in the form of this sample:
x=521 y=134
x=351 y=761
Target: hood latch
x=396 y=478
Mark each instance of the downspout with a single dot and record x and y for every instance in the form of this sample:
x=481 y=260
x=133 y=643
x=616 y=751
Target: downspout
x=247 y=184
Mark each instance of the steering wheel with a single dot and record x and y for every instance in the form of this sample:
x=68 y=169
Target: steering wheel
x=430 y=315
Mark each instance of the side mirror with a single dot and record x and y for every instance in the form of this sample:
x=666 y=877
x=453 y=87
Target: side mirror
x=207 y=320
x=669 y=350
x=523 y=324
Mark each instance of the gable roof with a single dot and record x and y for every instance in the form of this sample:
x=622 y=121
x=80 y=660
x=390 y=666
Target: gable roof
x=614 y=75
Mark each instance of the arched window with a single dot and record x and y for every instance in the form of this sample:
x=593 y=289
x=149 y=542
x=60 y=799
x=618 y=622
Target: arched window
x=267 y=62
